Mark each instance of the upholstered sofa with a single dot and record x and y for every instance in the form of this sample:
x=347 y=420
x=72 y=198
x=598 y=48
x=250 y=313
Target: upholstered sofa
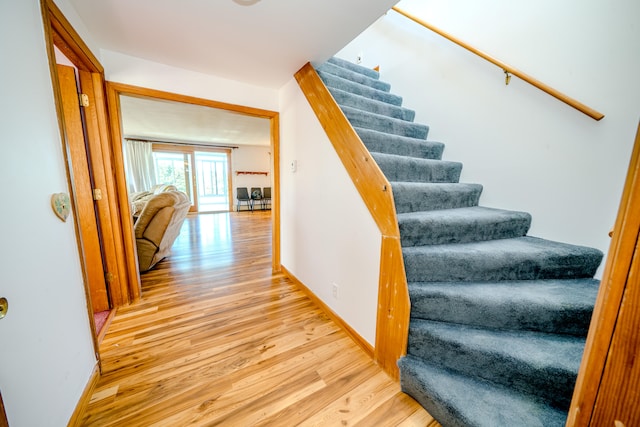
x=158 y=226
x=139 y=200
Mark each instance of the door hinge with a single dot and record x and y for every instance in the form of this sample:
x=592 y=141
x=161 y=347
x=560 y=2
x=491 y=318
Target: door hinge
x=109 y=277
x=84 y=99
x=97 y=194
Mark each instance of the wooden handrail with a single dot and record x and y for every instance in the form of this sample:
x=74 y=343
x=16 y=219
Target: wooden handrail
x=392 y=325
x=508 y=69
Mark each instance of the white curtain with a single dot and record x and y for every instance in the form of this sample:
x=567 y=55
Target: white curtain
x=139 y=165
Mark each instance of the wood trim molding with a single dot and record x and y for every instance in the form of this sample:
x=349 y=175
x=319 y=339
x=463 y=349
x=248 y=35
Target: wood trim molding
x=125 y=219
x=276 y=266
x=356 y=337
x=610 y=296
x=394 y=307
x=101 y=173
x=374 y=188
x=69 y=41
x=142 y=92
x=83 y=402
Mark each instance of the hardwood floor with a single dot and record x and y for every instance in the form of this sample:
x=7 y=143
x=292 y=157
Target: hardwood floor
x=218 y=340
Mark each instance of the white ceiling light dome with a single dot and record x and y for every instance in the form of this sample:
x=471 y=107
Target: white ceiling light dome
x=246 y=2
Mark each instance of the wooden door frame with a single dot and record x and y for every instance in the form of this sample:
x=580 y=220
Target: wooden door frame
x=115 y=90
x=610 y=296
x=59 y=33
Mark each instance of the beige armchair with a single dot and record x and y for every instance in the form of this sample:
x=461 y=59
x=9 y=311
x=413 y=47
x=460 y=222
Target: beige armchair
x=158 y=226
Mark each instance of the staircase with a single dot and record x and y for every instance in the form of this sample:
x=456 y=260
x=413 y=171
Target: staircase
x=498 y=318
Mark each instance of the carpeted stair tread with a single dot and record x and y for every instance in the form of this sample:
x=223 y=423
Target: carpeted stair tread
x=400 y=145
x=402 y=168
x=459 y=401
x=364 y=119
x=354 y=76
x=354 y=67
x=333 y=81
x=545 y=365
x=498 y=318
x=522 y=258
x=349 y=99
x=424 y=196
x=461 y=225
x=551 y=306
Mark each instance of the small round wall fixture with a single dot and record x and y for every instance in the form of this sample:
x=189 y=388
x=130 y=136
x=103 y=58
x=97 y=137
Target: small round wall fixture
x=246 y=2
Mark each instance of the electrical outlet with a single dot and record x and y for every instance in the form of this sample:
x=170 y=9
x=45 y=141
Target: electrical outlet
x=334 y=289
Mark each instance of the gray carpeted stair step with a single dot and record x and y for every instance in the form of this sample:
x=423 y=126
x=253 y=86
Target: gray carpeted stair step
x=402 y=168
x=336 y=82
x=400 y=145
x=544 y=365
x=364 y=119
x=459 y=401
x=354 y=67
x=349 y=99
x=461 y=225
x=522 y=258
x=497 y=318
x=419 y=196
x=551 y=306
x=354 y=76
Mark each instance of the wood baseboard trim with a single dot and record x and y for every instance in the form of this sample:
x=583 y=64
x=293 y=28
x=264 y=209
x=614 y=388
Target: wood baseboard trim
x=368 y=348
x=82 y=404
x=107 y=322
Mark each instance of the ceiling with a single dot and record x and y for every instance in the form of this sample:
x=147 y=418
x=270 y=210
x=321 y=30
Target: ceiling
x=263 y=44
x=258 y=42
x=171 y=121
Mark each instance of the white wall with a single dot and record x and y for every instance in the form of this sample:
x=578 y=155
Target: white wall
x=251 y=158
x=328 y=235
x=134 y=71
x=47 y=351
x=130 y=70
x=530 y=151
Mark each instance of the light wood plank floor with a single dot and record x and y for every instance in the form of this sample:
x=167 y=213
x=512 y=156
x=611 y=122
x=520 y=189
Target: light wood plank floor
x=218 y=340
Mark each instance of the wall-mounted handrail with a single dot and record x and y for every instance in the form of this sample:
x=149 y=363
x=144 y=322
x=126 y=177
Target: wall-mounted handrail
x=508 y=69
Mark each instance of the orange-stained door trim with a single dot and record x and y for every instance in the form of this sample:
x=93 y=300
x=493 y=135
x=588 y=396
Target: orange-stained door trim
x=114 y=90
x=610 y=297
x=392 y=323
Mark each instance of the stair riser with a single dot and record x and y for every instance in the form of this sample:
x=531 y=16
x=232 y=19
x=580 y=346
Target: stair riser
x=419 y=233
x=366 y=104
x=362 y=119
x=552 y=384
x=356 y=88
x=507 y=315
x=354 y=67
x=405 y=170
x=446 y=415
x=354 y=76
x=414 y=199
x=434 y=265
x=497 y=319
x=456 y=401
x=394 y=144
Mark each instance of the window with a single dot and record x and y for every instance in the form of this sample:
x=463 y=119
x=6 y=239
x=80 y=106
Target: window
x=203 y=175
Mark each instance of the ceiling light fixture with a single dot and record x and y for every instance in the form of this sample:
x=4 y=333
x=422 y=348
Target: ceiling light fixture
x=246 y=2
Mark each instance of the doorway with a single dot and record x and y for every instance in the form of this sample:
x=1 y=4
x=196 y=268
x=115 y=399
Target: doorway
x=202 y=173
x=85 y=146
x=119 y=98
